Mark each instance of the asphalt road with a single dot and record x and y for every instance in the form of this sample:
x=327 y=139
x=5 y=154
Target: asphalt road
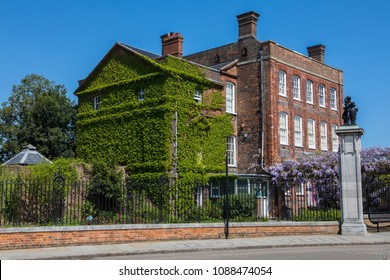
x=347 y=252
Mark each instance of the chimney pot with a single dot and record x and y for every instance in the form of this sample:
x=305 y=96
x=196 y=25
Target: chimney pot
x=172 y=44
x=317 y=52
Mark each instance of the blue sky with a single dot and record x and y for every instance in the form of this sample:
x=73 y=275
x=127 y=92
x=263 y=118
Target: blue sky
x=64 y=40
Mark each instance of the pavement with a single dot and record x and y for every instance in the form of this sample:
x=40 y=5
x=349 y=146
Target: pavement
x=93 y=251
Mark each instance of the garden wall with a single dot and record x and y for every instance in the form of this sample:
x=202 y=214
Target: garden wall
x=38 y=237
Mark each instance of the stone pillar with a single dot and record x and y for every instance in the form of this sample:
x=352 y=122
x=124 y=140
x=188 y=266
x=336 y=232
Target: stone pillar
x=350 y=180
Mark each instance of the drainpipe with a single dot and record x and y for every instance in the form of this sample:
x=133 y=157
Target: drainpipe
x=262 y=106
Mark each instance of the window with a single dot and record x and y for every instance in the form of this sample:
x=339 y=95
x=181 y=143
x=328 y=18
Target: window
x=321 y=94
x=335 y=138
x=198 y=96
x=96 y=102
x=283 y=128
x=282 y=83
x=231 y=151
x=215 y=189
x=323 y=134
x=333 y=102
x=298 y=131
x=300 y=188
x=311 y=134
x=296 y=83
x=230 y=100
x=198 y=196
x=309 y=92
x=141 y=94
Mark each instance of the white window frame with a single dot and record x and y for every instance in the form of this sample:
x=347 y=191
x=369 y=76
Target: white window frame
x=311 y=133
x=324 y=136
x=198 y=96
x=231 y=151
x=141 y=95
x=335 y=138
x=282 y=83
x=230 y=98
x=198 y=196
x=298 y=139
x=300 y=188
x=296 y=85
x=333 y=99
x=321 y=96
x=283 y=128
x=96 y=102
x=309 y=92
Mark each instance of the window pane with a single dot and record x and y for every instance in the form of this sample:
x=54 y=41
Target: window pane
x=311 y=134
x=321 y=92
x=298 y=130
x=283 y=129
x=282 y=83
x=333 y=103
x=230 y=98
x=231 y=150
x=309 y=91
x=323 y=133
x=296 y=88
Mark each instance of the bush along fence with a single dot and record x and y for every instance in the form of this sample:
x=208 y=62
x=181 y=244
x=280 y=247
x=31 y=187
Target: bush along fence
x=58 y=202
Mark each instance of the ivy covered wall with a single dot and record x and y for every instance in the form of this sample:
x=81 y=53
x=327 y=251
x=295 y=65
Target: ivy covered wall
x=142 y=134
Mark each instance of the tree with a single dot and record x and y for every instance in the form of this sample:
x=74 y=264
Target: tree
x=38 y=112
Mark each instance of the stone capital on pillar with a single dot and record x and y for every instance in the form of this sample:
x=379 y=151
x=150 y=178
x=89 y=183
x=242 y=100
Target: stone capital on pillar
x=352 y=222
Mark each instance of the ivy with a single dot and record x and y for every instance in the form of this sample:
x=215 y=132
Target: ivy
x=141 y=134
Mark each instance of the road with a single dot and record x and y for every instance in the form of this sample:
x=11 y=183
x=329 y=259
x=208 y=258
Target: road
x=347 y=252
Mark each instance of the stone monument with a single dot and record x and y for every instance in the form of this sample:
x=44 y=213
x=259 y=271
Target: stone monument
x=350 y=172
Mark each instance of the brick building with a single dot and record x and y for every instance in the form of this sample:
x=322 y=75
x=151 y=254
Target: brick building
x=286 y=104
x=283 y=104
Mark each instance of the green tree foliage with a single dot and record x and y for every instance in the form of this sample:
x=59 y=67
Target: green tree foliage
x=106 y=189
x=38 y=112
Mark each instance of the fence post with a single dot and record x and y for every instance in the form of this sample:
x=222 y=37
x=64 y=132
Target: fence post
x=227 y=210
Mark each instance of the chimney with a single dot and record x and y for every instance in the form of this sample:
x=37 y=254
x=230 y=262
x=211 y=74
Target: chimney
x=247 y=24
x=172 y=43
x=317 y=52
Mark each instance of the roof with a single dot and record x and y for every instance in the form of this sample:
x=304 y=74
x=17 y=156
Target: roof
x=221 y=65
x=145 y=53
x=28 y=156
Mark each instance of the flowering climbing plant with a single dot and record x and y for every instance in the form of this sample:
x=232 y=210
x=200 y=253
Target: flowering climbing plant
x=321 y=171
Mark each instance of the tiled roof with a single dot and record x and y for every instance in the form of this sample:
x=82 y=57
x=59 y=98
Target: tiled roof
x=221 y=65
x=145 y=53
x=28 y=156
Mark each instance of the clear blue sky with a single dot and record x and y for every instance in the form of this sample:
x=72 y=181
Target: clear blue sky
x=64 y=40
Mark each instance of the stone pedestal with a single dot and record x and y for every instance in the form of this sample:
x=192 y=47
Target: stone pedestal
x=350 y=179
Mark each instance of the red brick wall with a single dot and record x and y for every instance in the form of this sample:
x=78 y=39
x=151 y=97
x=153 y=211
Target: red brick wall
x=92 y=235
x=278 y=58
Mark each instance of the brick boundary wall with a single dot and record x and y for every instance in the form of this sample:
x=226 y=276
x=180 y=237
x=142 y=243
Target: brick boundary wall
x=38 y=237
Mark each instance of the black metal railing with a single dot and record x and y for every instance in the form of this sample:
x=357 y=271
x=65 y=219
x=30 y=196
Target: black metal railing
x=57 y=202
x=376 y=195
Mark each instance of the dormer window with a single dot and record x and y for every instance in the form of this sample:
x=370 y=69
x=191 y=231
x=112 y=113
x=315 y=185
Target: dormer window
x=141 y=95
x=198 y=96
x=96 y=102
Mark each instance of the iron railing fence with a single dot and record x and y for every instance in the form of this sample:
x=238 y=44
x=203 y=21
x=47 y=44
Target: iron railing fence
x=376 y=195
x=32 y=203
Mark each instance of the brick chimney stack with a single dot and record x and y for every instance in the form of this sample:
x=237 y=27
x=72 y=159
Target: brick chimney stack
x=172 y=44
x=247 y=24
x=317 y=52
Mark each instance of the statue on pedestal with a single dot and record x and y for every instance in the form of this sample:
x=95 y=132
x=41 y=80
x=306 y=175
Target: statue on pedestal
x=350 y=111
